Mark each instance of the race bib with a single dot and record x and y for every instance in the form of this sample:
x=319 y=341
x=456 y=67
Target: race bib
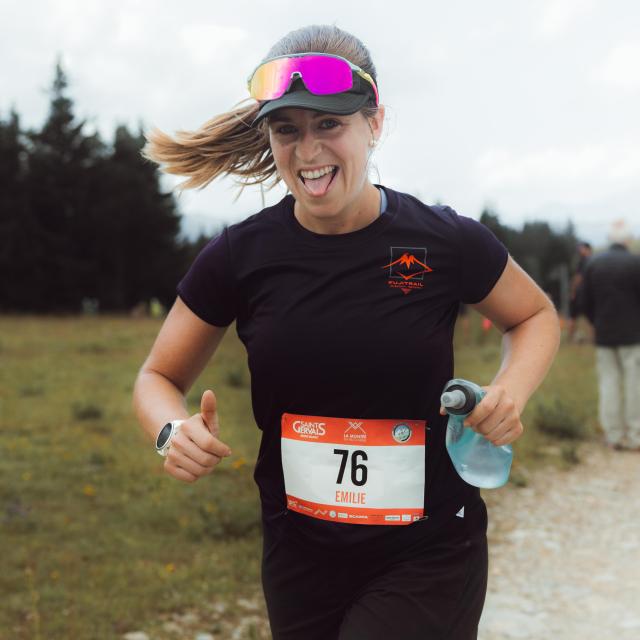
x=358 y=471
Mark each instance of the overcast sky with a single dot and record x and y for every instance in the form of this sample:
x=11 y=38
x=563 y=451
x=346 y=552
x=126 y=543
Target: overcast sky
x=531 y=107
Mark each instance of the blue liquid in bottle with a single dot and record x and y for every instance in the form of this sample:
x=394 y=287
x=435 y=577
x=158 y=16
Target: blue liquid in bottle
x=477 y=461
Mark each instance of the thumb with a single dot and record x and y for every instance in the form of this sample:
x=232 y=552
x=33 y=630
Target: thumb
x=209 y=411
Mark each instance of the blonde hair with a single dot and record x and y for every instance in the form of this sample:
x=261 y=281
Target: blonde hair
x=228 y=144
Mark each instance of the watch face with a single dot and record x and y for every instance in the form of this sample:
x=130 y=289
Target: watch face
x=163 y=436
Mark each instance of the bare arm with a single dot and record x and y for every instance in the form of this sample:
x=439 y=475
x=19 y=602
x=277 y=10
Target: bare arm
x=531 y=336
x=531 y=331
x=180 y=352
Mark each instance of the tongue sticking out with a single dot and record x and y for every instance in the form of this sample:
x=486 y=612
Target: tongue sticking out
x=318 y=186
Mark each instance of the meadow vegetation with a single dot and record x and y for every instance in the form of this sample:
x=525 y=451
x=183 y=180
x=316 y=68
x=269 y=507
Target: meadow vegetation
x=97 y=540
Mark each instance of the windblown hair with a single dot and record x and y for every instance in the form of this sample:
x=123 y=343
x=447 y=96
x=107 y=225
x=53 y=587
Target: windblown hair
x=228 y=144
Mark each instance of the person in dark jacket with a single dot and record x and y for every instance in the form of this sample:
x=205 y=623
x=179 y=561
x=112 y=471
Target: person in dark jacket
x=610 y=298
x=584 y=252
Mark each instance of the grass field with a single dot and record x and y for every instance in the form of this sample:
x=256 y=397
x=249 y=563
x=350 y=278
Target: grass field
x=97 y=540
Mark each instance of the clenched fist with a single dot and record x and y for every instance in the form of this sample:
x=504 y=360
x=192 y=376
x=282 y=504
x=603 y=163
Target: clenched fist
x=195 y=450
x=496 y=417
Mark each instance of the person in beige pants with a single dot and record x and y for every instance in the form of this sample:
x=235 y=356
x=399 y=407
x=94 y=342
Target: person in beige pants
x=611 y=300
x=619 y=386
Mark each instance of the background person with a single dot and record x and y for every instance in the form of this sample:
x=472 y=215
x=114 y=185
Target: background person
x=584 y=251
x=345 y=294
x=610 y=298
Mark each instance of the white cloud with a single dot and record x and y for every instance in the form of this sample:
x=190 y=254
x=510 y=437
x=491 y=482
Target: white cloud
x=502 y=167
x=621 y=68
x=574 y=174
x=494 y=107
x=207 y=42
x=129 y=29
x=559 y=15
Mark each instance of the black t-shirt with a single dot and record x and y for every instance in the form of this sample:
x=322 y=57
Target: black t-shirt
x=355 y=325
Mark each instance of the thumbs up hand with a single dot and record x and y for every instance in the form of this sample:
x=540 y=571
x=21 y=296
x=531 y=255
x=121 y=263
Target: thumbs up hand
x=209 y=412
x=195 y=450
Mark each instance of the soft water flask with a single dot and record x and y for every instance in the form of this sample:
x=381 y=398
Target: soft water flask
x=477 y=461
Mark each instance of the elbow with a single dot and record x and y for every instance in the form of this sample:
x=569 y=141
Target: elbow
x=551 y=318
x=149 y=373
x=138 y=384
x=552 y=325
x=545 y=322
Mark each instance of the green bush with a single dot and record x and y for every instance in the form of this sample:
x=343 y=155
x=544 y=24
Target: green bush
x=92 y=347
x=236 y=376
x=569 y=454
x=86 y=411
x=559 y=420
x=31 y=390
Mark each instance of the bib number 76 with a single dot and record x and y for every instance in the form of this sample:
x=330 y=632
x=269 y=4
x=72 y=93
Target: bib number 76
x=358 y=471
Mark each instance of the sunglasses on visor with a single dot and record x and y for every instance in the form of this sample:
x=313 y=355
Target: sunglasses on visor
x=321 y=73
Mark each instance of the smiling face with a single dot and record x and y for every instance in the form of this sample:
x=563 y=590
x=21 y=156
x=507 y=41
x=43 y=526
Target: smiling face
x=323 y=159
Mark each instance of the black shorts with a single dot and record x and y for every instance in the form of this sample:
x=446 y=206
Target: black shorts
x=432 y=589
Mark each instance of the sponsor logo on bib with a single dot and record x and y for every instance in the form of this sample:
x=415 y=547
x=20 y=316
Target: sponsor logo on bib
x=309 y=429
x=401 y=432
x=355 y=433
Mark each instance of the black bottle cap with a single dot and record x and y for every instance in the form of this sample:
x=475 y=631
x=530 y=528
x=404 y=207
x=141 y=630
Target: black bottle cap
x=470 y=400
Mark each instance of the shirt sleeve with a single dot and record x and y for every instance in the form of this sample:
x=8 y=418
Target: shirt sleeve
x=483 y=259
x=208 y=287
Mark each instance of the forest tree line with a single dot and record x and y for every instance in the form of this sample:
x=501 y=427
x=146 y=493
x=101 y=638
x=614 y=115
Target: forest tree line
x=80 y=218
x=83 y=219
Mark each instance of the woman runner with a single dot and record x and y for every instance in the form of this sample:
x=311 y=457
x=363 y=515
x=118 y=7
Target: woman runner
x=345 y=294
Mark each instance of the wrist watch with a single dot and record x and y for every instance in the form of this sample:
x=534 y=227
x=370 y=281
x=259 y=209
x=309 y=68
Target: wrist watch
x=163 y=441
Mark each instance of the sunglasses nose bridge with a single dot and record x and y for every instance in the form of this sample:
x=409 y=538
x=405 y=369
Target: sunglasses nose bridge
x=295 y=75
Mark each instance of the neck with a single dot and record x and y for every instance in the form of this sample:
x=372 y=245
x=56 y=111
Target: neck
x=354 y=216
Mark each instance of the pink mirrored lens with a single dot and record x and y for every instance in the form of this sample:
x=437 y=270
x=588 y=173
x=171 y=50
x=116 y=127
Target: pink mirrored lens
x=270 y=80
x=321 y=75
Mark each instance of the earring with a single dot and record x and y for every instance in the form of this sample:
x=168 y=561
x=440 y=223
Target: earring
x=372 y=142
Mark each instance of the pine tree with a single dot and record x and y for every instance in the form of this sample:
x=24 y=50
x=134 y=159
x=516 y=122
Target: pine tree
x=61 y=160
x=537 y=248
x=82 y=219
x=20 y=237
x=137 y=249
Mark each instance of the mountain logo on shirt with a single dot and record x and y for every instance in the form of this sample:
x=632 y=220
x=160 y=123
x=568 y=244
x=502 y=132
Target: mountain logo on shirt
x=407 y=268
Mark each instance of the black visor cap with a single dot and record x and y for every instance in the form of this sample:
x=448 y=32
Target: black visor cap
x=342 y=104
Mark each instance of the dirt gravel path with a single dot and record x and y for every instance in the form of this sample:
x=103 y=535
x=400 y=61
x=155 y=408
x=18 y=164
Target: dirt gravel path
x=564 y=553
